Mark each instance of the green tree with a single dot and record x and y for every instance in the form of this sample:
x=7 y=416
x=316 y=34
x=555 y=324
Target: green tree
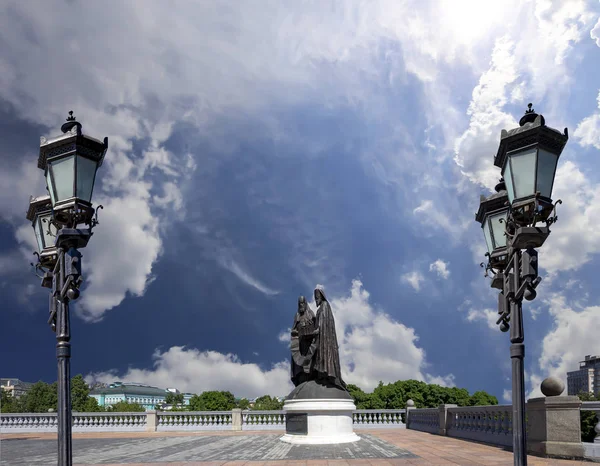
x=80 y=393
x=212 y=401
x=8 y=403
x=588 y=419
x=458 y=396
x=125 y=407
x=267 y=403
x=242 y=403
x=174 y=398
x=481 y=398
x=39 y=398
x=91 y=405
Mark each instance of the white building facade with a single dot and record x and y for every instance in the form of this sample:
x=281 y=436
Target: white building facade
x=147 y=396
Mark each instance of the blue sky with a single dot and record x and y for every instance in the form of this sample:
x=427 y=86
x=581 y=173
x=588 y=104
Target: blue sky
x=257 y=149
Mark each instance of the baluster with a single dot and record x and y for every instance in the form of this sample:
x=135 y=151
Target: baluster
x=597 y=428
x=505 y=423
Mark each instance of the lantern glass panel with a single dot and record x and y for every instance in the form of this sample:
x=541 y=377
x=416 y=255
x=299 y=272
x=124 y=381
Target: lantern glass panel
x=50 y=185
x=522 y=167
x=63 y=171
x=498 y=227
x=38 y=234
x=507 y=175
x=546 y=170
x=48 y=231
x=488 y=236
x=86 y=173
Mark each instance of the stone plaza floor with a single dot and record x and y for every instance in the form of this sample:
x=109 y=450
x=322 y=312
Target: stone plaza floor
x=376 y=447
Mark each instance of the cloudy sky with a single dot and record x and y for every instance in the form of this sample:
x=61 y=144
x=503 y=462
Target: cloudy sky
x=259 y=148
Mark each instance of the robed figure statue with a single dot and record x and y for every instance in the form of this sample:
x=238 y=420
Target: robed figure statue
x=303 y=343
x=326 y=361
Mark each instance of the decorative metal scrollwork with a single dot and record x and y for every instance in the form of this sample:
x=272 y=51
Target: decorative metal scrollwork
x=553 y=218
x=95 y=219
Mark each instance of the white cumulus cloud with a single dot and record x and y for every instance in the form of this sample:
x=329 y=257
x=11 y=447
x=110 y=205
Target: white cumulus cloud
x=440 y=268
x=587 y=132
x=414 y=279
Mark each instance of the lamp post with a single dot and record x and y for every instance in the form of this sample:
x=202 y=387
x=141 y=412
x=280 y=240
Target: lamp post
x=70 y=162
x=527 y=156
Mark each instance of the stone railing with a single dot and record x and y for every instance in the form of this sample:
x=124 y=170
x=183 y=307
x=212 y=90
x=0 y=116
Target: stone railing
x=425 y=420
x=488 y=424
x=82 y=422
x=193 y=420
x=30 y=422
x=263 y=420
x=165 y=421
x=378 y=418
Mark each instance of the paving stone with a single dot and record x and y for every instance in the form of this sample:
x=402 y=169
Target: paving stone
x=233 y=450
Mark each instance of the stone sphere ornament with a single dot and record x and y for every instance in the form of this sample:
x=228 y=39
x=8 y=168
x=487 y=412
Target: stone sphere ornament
x=552 y=386
x=410 y=404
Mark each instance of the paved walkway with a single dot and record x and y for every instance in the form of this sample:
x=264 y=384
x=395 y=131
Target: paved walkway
x=376 y=447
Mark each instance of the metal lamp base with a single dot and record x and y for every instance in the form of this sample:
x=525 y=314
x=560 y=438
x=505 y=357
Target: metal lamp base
x=530 y=237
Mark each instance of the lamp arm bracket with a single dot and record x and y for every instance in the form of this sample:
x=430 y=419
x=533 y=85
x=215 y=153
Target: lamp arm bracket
x=66 y=287
x=37 y=266
x=95 y=219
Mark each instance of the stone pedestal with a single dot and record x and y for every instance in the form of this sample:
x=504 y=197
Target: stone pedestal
x=317 y=414
x=554 y=428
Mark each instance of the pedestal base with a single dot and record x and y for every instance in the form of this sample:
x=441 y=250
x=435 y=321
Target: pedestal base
x=319 y=421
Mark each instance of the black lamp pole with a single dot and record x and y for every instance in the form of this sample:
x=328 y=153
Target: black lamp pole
x=528 y=156
x=69 y=162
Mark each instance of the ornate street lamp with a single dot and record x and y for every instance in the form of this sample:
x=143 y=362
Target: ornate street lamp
x=70 y=162
x=492 y=215
x=528 y=156
x=40 y=216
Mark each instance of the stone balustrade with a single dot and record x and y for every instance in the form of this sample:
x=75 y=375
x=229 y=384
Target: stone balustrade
x=425 y=420
x=378 y=418
x=109 y=422
x=165 y=421
x=263 y=420
x=488 y=424
x=193 y=420
x=82 y=422
x=30 y=422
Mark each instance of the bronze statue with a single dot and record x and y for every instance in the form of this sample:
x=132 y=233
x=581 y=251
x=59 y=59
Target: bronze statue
x=326 y=365
x=303 y=342
x=315 y=353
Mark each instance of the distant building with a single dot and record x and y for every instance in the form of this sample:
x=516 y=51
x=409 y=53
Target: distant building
x=586 y=379
x=15 y=387
x=147 y=396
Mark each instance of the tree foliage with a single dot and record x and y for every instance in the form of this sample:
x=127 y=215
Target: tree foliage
x=125 y=407
x=212 y=401
x=42 y=397
x=242 y=403
x=39 y=398
x=395 y=395
x=8 y=403
x=174 y=399
x=267 y=403
x=588 y=419
x=481 y=398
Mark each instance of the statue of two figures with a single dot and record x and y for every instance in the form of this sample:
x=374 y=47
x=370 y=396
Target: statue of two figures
x=315 y=351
